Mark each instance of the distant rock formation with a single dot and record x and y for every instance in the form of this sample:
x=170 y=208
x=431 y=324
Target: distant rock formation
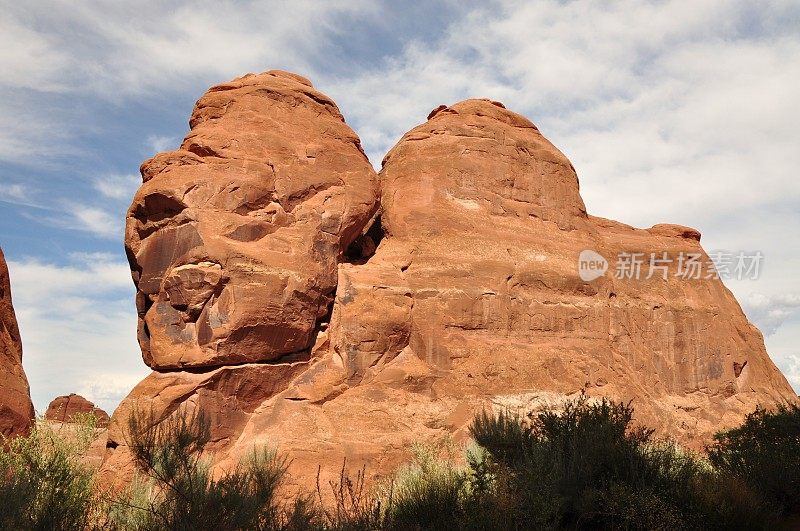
x=304 y=306
x=16 y=408
x=64 y=408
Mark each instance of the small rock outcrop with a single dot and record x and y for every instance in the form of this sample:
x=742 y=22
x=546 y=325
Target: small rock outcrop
x=64 y=408
x=16 y=408
x=306 y=307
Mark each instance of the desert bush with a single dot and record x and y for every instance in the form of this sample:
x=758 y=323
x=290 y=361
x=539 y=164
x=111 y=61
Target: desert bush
x=355 y=507
x=764 y=454
x=429 y=493
x=43 y=482
x=182 y=494
x=584 y=467
x=589 y=467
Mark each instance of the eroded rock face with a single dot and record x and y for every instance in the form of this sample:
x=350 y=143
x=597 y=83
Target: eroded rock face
x=16 y=408
x=478 y=278
x=234 y=238
x=64 y=408
x=463 y=294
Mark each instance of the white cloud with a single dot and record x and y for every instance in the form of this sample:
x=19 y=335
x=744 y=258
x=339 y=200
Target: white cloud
x=106 y=390
x=118 y=186
x=115 y=52
x=90 y=274
x=78 y=326
x=105 y=222
x=32 y=130
x=95 y=220
x=782 y=346
x=118 y=49
x=770 y=312
x=13 y=192
x=790 y=365
x=35 y=62
x=102 y=219
x=157 y=144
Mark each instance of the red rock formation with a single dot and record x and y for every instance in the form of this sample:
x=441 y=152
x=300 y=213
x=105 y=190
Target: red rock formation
x=234 y=238
x=64 y=408
x=16 y=409
x=472 y=297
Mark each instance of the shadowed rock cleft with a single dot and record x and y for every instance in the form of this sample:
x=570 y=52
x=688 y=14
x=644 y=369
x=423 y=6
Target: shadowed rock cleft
x=364 y=246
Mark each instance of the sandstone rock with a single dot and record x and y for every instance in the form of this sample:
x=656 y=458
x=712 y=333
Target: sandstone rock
x=16 y=409
x=462 y=294
x=64 y=408
x=234 y=238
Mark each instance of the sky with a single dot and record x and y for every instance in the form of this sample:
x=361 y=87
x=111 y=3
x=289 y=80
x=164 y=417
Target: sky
x=678 y=111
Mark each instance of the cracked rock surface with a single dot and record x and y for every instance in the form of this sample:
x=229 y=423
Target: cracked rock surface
x=307 y=304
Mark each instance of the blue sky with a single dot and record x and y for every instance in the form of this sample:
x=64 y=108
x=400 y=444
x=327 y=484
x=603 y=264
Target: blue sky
x=671 y=111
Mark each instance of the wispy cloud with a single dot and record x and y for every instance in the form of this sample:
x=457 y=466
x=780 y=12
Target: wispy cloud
x=22 y=195
x=94 y=220
x=13 y=192
x=769 y=312
x=106 y=390
x=157 y=143
x=36 y=63
x=33 y=131
x=105 y=222
x=118 y=186
x=790 y=366
x=133 y=50
x=88 y=273
x=94 y=50
x=645 y=103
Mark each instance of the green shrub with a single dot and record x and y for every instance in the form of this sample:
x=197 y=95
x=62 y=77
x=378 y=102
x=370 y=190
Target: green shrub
x=182 y=493
x=428 y=493
x=43 y=483
x=588 y=467
x=585 y=467
x=764 y=454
